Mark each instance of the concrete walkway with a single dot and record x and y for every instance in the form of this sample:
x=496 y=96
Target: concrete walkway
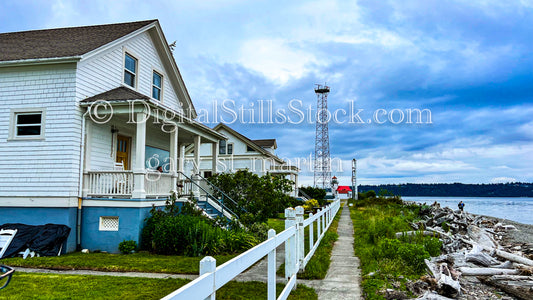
x=344 y=276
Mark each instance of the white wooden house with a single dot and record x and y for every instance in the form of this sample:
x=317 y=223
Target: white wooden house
x=241 y=153
x=87 y=114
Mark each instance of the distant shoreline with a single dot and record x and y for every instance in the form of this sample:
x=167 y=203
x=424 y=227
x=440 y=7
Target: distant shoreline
x=514 y=190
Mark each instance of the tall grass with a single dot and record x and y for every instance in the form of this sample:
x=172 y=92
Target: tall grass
x=382 y=255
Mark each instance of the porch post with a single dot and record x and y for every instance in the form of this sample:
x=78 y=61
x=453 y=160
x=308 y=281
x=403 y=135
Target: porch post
x=196 y=164
x=173 y=158
x=181 y=159
x=296 y=185
x=214 y=157
x=139 y=169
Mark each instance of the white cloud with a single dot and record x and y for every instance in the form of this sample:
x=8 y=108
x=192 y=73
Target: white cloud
x=502 y=180
x=276 y=59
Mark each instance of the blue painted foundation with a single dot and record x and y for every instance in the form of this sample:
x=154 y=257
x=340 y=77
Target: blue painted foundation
x=131 y=223
x=41 y=216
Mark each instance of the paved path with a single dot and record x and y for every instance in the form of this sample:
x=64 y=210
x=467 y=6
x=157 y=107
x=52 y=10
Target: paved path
x=343 y=278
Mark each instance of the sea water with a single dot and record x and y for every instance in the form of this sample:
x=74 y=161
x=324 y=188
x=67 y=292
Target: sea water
x=515 y=209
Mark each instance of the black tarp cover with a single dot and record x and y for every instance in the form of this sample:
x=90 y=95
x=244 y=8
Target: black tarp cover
x=46 y=240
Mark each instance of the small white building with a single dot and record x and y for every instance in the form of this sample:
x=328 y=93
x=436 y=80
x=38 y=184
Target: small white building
x=241 y=153
x=87 y=113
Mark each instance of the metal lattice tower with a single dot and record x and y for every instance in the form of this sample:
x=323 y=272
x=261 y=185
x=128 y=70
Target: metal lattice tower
x=354 y=179
x=322 y=158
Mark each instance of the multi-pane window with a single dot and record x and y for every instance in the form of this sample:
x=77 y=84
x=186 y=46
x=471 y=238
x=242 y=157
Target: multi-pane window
x=130 y=70
x=156 y=86
x=225 y=148
x=222 y=147
x=28 y=124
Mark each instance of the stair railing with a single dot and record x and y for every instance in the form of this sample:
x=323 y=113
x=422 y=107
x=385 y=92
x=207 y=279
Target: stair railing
x=224 y=196
x=208 y=196
x=304 y=194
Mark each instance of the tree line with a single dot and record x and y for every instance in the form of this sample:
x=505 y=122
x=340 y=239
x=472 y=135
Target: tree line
x=515 y=189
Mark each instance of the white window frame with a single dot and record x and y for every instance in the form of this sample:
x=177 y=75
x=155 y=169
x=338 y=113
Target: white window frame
x=226 y=148
x=101 y=221
x=160 y=88
x=136 y=80
x=23 y=111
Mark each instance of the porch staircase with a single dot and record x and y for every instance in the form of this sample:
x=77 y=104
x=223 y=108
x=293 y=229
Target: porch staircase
x=303 y=196
x=205 y=199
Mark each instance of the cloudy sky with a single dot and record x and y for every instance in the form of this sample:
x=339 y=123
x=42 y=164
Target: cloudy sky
x=470 y=63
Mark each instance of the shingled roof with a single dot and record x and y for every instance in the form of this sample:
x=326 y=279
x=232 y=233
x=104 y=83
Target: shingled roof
x=118 y=94
x=62 y=42
x=268 y=143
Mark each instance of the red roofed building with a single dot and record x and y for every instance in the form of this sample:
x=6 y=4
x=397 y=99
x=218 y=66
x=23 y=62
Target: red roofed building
x=343 y=189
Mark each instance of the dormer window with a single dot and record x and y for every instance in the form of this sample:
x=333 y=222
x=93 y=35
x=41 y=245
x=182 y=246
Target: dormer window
x=130 y=70
x=156 y=85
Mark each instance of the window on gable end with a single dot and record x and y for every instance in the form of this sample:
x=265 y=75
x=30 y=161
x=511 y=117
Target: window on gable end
x=157 y=83
x=130 y=70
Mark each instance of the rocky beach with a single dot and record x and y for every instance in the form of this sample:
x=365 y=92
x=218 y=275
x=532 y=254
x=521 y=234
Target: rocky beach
x=483 y=257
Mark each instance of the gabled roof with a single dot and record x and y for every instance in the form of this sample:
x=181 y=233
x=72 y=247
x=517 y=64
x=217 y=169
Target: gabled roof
x=247 y=141
x=62 y=42
x=268 y=143
x=78 y=43
x=117 y=94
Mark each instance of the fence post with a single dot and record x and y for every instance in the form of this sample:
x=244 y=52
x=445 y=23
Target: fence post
x=318 y=225
x=311 y=232
x=208 y=265
x=271 y=269
x=300 y=240
x=290 y=244
x=324 y=221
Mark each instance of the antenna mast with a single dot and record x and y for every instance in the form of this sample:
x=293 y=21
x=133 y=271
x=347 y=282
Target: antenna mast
x=322 y=174
x=355 y=194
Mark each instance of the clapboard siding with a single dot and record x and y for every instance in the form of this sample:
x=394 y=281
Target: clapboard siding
x=47 y=167
x=99 y=150
x=105 y=71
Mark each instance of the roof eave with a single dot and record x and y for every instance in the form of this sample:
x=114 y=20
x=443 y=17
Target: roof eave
x=154 y=104
x=40 y=61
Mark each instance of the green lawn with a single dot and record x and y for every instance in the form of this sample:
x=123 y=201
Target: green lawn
x=277 y=224
x=54 y=286
x=138 y=262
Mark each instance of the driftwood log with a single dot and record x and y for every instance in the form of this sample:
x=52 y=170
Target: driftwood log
x=486 y=259
x=467 y=271
x=432 y=296
x=411 y=233
x=513 y=257
x=518 y=286
x=447 y=285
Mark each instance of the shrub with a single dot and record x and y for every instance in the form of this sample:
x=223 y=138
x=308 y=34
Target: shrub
x=261 y=197
x=127 y=247
x=310 y=204
x=196 y=236
x=433 y=246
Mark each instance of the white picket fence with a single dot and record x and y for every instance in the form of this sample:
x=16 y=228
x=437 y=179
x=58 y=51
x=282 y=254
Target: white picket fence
x=213 y=278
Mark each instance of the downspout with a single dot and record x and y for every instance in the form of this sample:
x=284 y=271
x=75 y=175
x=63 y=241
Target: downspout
x=80 y=188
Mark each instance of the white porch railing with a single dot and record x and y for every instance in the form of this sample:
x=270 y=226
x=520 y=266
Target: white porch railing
x=212 y=278
x=157 y=184
x=109 y=183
